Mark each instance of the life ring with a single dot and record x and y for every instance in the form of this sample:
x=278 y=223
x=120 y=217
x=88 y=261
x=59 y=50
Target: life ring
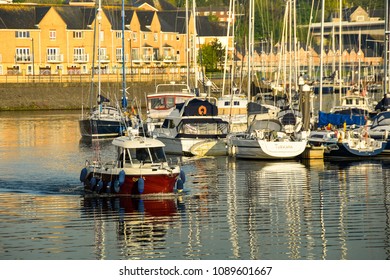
x=202 y=110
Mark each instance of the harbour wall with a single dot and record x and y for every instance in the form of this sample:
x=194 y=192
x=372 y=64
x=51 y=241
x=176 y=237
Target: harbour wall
x=64 y=96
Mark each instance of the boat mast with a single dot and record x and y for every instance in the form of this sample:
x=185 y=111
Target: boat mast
x=124 y=101
x=99 y=18
x=250 y=46
x=194 y=50
x=386 y=49
x=340 y=50
x=322 y=50
x=227 y=48
x=187 y=46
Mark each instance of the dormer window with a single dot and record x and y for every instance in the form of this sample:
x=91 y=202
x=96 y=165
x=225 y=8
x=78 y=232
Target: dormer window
x=22 y=34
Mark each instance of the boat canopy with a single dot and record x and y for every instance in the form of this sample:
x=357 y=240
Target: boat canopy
x=339 y=119
x=198 y=107
x=128 y=142
x=382 y=119
x=271 y=124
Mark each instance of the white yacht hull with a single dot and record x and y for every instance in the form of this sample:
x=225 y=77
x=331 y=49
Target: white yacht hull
x=194 y=146
x=262 y=149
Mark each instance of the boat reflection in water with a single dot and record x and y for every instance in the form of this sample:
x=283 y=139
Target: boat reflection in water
x=141 y=223
x=297 y=212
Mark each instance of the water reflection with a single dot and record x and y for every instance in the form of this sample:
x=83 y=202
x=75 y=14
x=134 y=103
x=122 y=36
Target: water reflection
x=141 y=223
x=231 y=209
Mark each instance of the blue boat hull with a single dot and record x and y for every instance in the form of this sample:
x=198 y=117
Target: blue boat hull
x=101 y=128
x=345 y=151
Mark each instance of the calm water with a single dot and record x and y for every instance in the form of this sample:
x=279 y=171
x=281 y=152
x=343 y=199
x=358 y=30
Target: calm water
x=231 y=209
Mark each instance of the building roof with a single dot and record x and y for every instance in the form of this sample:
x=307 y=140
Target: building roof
x=114 y=14
x=145 y=19
x=20 y=16
x=207 y=28
x=172 y=21
x=76 y=17
x=160 y=5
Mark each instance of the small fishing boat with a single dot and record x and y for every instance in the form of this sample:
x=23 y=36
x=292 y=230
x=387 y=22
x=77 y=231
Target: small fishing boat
x=233 y=109
x=140 y=167
x=194 y=129
x=163 y=101
x=355 y=103
x=351 y=144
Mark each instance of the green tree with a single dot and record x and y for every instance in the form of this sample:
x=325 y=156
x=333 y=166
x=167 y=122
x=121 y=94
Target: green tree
x=212 y=55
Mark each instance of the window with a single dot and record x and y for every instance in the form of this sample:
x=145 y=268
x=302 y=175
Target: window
x=22 y=34
x=79 y=54
x=52 y=34
x=118 y=34
x=118 y=54
x=101 y=36
x=78 y=34
x=145 y=36
x=135 y=37
x=155 y=37
x=165 y=37
x=53 y=54
x=23 y=54
x=103 y=54
x=29 y=69
x=360 y=18
x=135 y=54
x=1 y=69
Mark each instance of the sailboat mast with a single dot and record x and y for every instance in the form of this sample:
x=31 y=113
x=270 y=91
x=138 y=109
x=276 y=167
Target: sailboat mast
x=227 y=47
x=322 y=50
x=340 y=49
x=124 y=101
x=386 y=49
x=194 y=50
x=250 y=46
x=99 y=18
x=187 y=46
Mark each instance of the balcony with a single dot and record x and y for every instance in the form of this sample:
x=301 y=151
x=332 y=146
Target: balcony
x=55 y=58
x=119 y=58
x=23 y=58
x=169 y=58
x=135 y=58
x=103 y=58
x=147 y=58
x=81 y=58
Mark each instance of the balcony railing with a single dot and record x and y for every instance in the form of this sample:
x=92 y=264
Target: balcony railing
x=23 y=58
x=169 y=58
x=119 y=58
x=55 y=58
x=81 y=58
x=103 y=58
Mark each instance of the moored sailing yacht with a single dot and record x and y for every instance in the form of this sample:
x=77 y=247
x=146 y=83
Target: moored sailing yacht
x=105 y=120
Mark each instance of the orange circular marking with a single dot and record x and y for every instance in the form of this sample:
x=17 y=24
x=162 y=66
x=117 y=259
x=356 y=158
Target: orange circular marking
x=202 y=110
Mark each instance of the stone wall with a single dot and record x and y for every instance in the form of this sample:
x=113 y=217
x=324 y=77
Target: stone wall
x=60 y=96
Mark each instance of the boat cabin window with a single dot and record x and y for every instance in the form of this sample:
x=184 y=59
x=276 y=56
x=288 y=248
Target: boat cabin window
x=170 y=102
x=203 y=128
x=124 y=157
x=168 y=124
x=157 y=103
x=158 y=154
x=142 y=155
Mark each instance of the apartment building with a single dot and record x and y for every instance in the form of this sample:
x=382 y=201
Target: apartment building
x=51 y=40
